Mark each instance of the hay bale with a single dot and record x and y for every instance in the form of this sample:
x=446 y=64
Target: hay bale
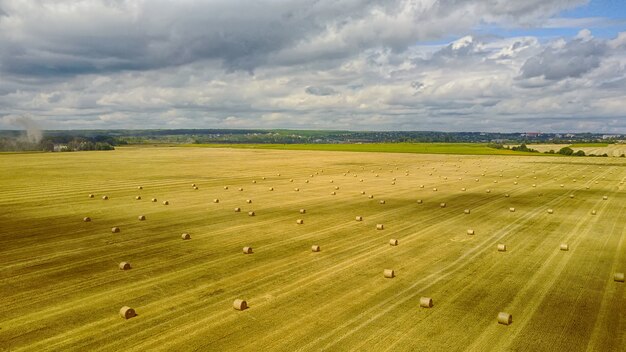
x=115 y=229
x=237 y=210
x=360 y=180
x=240 y=189
x=359 y=218
x=216 y=200
x=605 y=197
x=333 y=193
x=105 y=197
x=393 y=242
x=443 y=205
x=248 y=201
x=618 y=277
x=253 y=181
x=515 y=182
x=315 y=248
x=185 y=236
x=263 y=177
x=381 y=201
x=240 y=304
x=139 y=187
x=505 y=318
x=332 y=181
x=466 y=211
x=501 y=247
x=435 y=189
x=488 y=191
x=561 y=185
x=363 y=192
x=271 y=189
x=564 y=247
x=154 y=200
x=196 y=188
x=593 y=212
x=393 y=183
x=251 y=213
x=534 y=185
x=512 y=210
x=166 y=202
x=426 y=302
x=291 y=180
x=506 y=195
x=571 y=196
x=296 y=189
x=371 y=196
x=87 y=219
x=380 y=227
x=389 y=273
x=124 y=266
x=278 y=175
x=299 y=221
x=306 y=181
x=419 y=201
x=193 y=185
x=127 y=312
x=463 y=189
x=550 y=211
x=470 y=232
x=91 y=196
x=421 y=186
x=141 y=217
x=302 y=211
x=247 y=250
x=138 y=198
x=337 y=187
x=225 y=187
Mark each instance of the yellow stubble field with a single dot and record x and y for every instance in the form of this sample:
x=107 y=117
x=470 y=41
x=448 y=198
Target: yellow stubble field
x=61 y=287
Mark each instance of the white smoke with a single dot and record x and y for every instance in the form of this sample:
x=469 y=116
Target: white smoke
x=33 y=131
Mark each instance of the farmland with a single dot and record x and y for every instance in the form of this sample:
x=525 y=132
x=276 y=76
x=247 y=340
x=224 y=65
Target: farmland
x=61 y=286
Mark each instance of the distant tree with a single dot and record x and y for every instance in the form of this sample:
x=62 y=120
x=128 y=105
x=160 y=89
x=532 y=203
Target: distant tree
x=566 y=151
x=579 y=153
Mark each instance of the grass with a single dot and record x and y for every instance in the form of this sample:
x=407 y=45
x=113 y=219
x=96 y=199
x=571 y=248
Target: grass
x=592 y=145
x=61 y=287
x=414 y=148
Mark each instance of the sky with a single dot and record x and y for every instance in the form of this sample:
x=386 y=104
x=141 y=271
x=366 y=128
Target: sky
x=436 y=65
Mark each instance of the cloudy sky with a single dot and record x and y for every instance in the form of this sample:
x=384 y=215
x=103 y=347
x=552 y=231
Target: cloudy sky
x=446 y=65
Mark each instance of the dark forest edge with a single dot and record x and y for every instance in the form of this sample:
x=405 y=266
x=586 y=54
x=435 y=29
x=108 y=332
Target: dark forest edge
x=78 y=140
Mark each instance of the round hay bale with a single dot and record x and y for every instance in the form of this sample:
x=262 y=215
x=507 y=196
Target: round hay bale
x=466 y=211
x=496 y=181
x=87 y=219
x=291 y=180
x=225 y=187
x=564 y=247
x=618 y=277
x=389 y=273
x=306 y=181
x=138 y=198
x=299 y=221
x=476 y=180
x=127 y=312
x=363 y=192
x=337 y=187
x=91 y=196
x=393 y=183
x=488 y=191
x=571 y=196
x=141 y=217
x=561 y=185
x=426 y=302
x=470 y=232
x=115 y=229
x=248 y=201
x=605 y=197
x=332 y=181
x=166 y=202
x=534 y=185
x=105 y=197
x=237 y=210
x=393 y=242
x=501 y=247
x=240 y=189
x=247 y=250
x=360 y=180
x=278 y=175
x=505 y=318
x=216 y=200
x=550 y=211
x=463 y=189
x=380 y=227
x=593 y=212
x=506 y=195
x=185 y=236
x=515 y=182
x=271 y=189
x=139 y=187
x=421 y=186
x=315 y=248
x=435 y=189
x=381 y=201
x=154 y=200
x=419 y=201
x=333 y=193
x=296 y=189
x=124 y=266
x=512 y=210
x=371 y=196
x=196 y=188
x=302 y=211
x=240 y=304
x=253 y=181
x=443 y=205
x=193 y=185
x=251 y=213
x=359 y=218
x=263 y=177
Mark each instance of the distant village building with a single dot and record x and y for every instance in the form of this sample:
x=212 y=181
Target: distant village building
x=60 y=148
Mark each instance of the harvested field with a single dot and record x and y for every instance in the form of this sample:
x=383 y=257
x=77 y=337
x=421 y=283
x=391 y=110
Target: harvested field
x=62 y=288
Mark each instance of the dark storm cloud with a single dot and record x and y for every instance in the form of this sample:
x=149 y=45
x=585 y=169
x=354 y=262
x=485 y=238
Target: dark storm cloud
x=574 y=59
